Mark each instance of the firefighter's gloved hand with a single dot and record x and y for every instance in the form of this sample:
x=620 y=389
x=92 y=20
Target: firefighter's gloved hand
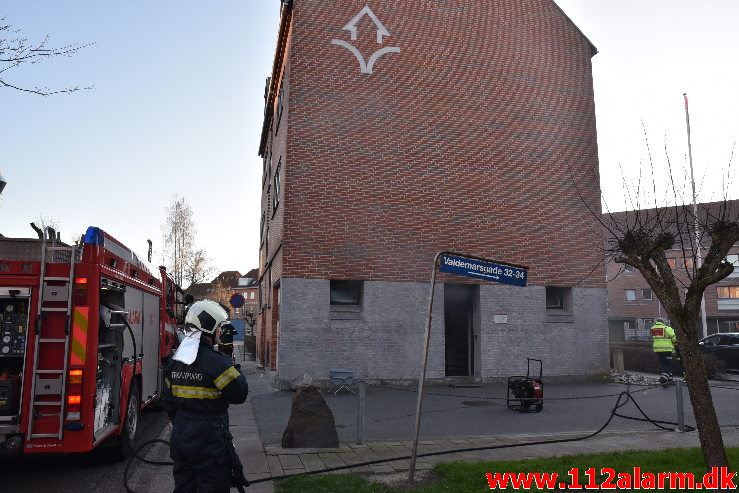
x=188 y=350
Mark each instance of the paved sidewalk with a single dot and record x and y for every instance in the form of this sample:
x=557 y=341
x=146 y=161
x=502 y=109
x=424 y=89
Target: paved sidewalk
x=264 y=461
x=296 y=461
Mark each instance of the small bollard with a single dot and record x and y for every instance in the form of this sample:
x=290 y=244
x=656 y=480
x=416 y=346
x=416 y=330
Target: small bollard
x=618 y=360
x=680 y=413
x=360 y=413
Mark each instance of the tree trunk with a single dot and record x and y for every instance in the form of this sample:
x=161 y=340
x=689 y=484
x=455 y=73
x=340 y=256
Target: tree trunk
x=709 y=432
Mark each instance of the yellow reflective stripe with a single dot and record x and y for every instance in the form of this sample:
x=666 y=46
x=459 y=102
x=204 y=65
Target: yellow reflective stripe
x=226 y=377
x=80 y=321
x=188 y=392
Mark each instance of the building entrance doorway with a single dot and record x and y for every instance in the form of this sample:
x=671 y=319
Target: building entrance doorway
x=458 y=330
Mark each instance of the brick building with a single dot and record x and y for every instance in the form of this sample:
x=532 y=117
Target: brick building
x=394 y=130
x=225 y=285
x=633 y=308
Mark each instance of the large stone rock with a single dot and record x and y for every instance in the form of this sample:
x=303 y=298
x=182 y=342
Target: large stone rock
x=311 y=423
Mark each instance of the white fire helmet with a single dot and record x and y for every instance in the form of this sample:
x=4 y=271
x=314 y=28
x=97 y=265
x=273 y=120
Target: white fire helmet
x=206 y=316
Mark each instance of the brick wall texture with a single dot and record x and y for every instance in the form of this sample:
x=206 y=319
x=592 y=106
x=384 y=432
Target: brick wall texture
x=468 y=139
x=478 y=136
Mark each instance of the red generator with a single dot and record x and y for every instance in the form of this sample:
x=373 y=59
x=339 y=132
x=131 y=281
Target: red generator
x=526 y=393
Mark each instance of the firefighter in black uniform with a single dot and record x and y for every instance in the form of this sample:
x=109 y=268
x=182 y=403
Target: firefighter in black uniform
x=200 y=383
x=226 y=346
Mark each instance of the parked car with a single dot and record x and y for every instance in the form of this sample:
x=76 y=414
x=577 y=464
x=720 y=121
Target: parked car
x=724 y=346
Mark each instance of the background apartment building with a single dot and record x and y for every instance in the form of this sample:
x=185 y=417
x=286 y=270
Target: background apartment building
x=394 y=130
x=633 y=308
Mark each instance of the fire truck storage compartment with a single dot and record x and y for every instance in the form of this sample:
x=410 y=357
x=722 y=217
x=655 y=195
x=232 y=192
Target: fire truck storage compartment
x=10 y=393
x=14 y=322
x=110 y=349
x=13 y=330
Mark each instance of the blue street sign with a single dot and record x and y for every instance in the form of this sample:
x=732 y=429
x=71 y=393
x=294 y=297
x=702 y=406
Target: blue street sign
x=483 y=270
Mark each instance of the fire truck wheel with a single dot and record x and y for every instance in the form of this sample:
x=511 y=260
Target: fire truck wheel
x=125 y=442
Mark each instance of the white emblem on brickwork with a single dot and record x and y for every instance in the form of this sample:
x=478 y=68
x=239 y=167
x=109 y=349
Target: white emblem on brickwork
x=365 y=67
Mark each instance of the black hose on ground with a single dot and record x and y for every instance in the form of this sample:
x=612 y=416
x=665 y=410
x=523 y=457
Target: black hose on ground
x=614 y=413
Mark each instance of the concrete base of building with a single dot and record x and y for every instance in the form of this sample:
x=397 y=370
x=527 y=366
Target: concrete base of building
x=382 y=336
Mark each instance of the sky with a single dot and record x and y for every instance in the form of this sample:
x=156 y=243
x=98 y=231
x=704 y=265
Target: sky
x=176 y=107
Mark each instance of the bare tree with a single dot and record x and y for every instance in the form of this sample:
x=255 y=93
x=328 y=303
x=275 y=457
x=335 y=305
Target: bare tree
x=16 y=50
x=642 y=239
x=183 y=260
x=698 y=239
x=198 y=268
x=45 y=220
x=220 y=292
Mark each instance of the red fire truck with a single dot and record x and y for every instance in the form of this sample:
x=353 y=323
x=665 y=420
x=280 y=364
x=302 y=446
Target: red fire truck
x=86 y=330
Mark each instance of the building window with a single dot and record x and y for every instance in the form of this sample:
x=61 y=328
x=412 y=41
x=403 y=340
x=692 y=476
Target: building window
x=251 y=295
x=734 y=260
x=648 y=322
x=688 y=263
x=276 y=195
x=728 y=292
x=556 y=298
x=672 y=263
x=646 y=294
x=346 y=292
x=280 y=103
x=266 y=165
x=629 y=269
x=630 y=294
x=262 y=223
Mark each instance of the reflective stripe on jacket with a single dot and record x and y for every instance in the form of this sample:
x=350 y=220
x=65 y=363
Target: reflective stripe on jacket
x=663 y=338
x=204 y=388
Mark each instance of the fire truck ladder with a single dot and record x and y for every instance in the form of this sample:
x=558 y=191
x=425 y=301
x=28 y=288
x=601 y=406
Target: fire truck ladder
x=55 y=387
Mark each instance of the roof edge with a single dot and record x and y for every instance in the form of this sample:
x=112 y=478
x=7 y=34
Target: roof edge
x=593 y=49
x=278 y=62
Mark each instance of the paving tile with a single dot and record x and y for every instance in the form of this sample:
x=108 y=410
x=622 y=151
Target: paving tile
x=378 y=446
x=290 y=462
x=367 y=454
x=294 y=472
x=255 y=463
x=275 y=467
x=266 y=487
x=307 y=459
x=460 y=442
x=400 y=465
x=387 y=454
x=382 y=468
x=331 y=460
x=350 y=458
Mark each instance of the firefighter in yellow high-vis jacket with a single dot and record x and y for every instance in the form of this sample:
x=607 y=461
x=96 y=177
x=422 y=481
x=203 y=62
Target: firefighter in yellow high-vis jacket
x=663 y=343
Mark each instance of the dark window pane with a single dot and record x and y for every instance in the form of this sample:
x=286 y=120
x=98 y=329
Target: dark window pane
x=555 y=297
x=346 y=292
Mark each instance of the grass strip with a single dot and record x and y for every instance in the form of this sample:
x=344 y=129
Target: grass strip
x=471 y=477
